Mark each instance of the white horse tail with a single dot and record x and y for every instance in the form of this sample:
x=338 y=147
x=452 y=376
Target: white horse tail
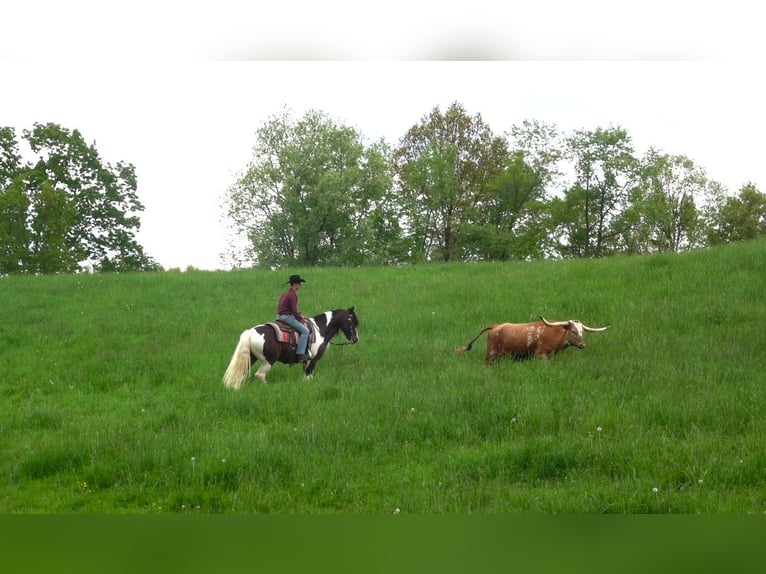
x=239 y=366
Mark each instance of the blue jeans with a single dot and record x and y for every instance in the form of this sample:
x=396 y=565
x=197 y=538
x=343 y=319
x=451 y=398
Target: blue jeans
x=301 y=328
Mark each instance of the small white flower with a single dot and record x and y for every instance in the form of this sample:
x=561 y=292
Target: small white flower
x=700 y=481
x=655 y=490
x=397 y=511
x=599 y=429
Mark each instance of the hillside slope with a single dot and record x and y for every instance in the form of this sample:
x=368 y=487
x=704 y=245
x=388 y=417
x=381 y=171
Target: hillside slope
x=112 y=402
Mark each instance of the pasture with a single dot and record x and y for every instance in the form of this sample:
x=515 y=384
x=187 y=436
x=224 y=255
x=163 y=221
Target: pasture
x=111 y=401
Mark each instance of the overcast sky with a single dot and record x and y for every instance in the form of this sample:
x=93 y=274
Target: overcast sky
x=180 y=88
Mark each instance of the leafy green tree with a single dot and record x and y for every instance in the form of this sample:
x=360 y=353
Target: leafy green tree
x=605 y=173
x=313 y=194
x=738 y=218
x=54 y=218
x=662 y=214
x=14 y=206
x=10 y=158
x=512 y=222
x=444 y=166
x=515 y=217
x=542 y=147
x=15 y=236
x=68 y=208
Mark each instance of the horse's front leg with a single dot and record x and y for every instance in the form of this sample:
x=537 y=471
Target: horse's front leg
x=308 y=368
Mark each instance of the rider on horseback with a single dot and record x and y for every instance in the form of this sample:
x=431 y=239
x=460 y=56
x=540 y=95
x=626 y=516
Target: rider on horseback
x=287 y=312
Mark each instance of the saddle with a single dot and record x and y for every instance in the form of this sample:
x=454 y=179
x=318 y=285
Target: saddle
x=287 y=334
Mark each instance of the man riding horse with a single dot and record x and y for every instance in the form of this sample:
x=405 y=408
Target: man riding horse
x=287 y=312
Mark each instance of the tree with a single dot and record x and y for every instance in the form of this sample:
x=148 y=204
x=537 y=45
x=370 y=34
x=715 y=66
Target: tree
x=444 y=166
x=738 y=218
x=514 y=215
x=662 y=213
x=15 y=236
x=605 y=172
x=512 y=222
x=313 y=194
x=14 y=206
x=68 y=209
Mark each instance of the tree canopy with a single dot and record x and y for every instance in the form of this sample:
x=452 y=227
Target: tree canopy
x=315 y=193
x=66 y=208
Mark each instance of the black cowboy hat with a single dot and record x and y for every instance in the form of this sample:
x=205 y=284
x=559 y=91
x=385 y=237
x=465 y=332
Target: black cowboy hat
x=296 y=279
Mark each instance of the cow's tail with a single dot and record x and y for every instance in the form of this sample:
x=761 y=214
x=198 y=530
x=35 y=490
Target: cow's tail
x=461 y=350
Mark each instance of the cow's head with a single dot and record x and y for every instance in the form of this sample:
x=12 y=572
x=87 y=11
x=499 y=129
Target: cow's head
x=574 y=331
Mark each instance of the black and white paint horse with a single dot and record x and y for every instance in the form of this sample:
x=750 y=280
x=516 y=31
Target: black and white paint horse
x=263 y=343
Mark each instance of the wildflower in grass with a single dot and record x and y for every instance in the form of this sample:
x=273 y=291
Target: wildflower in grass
x=655 y=490
x=599 y=429
x=397 y=510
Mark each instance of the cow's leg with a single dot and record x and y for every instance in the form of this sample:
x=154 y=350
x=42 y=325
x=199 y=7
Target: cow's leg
x=493 y=350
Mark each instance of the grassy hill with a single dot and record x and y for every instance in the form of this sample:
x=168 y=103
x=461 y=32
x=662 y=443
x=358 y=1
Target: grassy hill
x=111 y=402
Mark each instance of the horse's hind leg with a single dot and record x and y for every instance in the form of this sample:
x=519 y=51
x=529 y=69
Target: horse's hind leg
x=262 y=370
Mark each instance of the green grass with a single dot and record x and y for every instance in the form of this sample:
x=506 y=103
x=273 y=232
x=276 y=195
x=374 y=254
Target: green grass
x=111 y=402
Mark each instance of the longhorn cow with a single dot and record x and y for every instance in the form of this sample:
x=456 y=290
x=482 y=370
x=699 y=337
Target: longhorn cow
x=541 y=339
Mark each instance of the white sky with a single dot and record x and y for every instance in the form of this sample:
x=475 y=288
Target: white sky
x=178 y=89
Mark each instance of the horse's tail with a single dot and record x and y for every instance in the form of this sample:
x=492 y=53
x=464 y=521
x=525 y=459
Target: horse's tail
x=239 y=366
x=461 y=350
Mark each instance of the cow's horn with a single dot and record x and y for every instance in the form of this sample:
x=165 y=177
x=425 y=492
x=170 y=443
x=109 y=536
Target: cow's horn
x=595 y=329
x=557 y=324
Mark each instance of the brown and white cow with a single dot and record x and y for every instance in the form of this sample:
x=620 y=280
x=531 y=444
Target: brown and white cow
x=541 y=339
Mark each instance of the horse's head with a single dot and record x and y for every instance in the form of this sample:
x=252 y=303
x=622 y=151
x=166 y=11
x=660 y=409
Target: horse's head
x=349 y=324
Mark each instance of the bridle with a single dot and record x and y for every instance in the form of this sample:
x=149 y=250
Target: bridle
x=346 y=342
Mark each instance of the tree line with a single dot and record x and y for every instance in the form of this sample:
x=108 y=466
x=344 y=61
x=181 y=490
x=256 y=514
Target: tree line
x=65 y=210
x=316 y=193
